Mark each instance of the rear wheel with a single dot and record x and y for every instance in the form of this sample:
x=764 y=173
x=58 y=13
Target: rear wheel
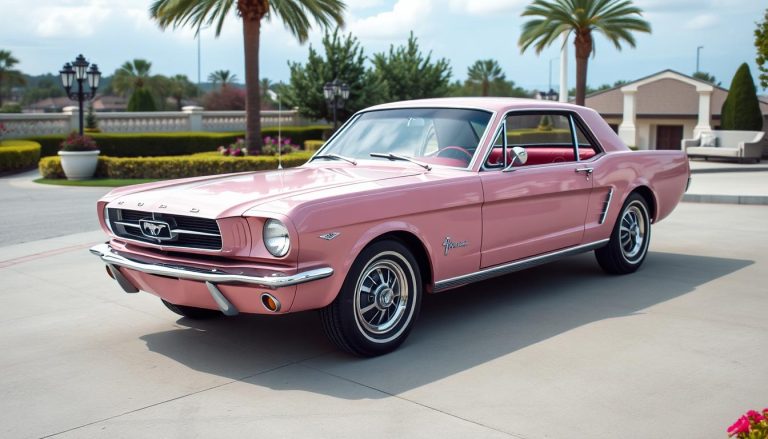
x=630 y=238
x=378 y=302
x=192 y=312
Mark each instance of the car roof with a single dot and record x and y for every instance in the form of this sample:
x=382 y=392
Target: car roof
x=497 y=104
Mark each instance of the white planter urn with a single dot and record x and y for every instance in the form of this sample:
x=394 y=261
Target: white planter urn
x=79 y=165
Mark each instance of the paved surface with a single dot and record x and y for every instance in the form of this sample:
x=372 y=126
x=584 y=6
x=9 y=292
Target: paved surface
x=31 y=211
x=728 y=182
x=560 y=351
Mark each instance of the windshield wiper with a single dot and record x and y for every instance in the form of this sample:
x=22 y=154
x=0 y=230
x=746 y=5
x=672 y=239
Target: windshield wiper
x=332 y=156
x=391 y=156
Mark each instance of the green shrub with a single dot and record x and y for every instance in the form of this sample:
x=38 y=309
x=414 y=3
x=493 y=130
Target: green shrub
x=298 y=135
x=18 y=154
x=741 y=109
x=313 y=145
x=175 y=167
x=141 y=100
x=171 y=144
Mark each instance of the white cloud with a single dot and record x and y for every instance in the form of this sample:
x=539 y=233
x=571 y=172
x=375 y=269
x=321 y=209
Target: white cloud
x=701 y=22
x=406 y=15
x=487 y=7
x=59 y=21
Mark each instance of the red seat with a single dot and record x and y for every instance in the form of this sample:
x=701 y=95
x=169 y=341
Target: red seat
x=540 y=156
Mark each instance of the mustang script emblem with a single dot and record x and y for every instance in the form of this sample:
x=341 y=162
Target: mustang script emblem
x=448 y=244
x=155 y=229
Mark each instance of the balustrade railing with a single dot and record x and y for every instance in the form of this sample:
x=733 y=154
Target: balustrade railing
x=15 y=126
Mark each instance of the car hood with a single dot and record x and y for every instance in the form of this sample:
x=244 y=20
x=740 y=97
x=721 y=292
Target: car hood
x=233 y=195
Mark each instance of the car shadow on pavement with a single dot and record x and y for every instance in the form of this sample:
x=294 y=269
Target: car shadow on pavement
x=457 y=330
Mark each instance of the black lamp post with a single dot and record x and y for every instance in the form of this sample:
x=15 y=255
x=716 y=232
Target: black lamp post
x=336 y=94
x=79 y=71
x=550 y=95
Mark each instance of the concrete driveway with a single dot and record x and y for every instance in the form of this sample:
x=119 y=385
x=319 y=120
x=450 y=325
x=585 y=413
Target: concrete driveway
x=561 y=351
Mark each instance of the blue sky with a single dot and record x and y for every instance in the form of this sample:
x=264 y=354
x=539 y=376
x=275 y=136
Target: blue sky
x=44 y=34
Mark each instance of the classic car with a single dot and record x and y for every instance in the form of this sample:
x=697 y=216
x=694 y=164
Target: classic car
x=405 y=199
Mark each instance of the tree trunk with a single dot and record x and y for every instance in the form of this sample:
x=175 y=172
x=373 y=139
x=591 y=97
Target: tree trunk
x=251 y=30
x=583 y=43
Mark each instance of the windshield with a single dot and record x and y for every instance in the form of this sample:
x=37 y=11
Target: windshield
x=441 y=136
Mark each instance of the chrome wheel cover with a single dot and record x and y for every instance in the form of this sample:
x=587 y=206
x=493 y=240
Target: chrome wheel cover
x=382 y=296
x=632 y=231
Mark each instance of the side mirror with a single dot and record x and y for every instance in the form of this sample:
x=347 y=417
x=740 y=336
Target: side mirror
x=519 y=155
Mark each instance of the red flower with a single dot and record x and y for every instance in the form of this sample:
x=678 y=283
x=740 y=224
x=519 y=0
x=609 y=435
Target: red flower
x=740 y=426
x=755 y=416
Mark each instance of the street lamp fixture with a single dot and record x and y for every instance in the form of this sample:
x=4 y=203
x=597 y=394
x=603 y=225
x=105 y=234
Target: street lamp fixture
x=79 y=72
x=550 y=95
x=336 y=94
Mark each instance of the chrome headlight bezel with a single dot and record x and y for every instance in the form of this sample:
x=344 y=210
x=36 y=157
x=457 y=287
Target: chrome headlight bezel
x=277 y=239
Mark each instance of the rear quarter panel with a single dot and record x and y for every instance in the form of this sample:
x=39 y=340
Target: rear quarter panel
x=664 y=173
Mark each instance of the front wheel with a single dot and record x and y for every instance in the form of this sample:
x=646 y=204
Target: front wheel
x=378 y=302
x=629 y=241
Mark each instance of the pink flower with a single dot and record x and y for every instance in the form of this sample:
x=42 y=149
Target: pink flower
x=740 y=426
x=755 y=416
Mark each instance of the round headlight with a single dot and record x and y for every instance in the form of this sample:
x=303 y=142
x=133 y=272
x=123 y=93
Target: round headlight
x=276 y=238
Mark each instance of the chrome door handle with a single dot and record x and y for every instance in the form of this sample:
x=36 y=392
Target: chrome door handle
x=586 y=170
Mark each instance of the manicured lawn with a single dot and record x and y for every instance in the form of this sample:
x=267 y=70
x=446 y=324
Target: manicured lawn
x=96 y=182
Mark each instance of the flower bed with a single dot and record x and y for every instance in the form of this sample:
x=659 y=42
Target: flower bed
x=176 y=167
x=171 y=144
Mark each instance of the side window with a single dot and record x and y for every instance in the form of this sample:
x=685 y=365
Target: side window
x=546 y=137
x=586 y=149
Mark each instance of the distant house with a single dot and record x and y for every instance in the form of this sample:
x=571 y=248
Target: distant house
x=102 y=103
x=657 y=111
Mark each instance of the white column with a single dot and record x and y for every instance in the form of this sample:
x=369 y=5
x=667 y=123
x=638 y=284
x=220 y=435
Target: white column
x=627 y=129
x=74 y=118
x=704 y=113
x=195 y=116
x=564 y=69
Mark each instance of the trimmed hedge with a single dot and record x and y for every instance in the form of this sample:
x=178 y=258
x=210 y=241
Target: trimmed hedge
x=175 y=167
x=313 y=145
x=173 y=144
x=18 y=154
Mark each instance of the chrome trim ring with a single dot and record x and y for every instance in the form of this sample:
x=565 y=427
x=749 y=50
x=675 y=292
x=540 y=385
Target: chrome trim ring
x=383 y=297
x=632 y=231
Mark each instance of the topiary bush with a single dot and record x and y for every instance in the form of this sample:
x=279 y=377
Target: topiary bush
x=141 y=100
x=313 y=145
x=741 y=109
x=18 y=154
x=176 y=167
x=171 y=144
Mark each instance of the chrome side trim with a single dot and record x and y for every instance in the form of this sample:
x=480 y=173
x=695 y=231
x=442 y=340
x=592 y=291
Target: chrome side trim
x=104 y=251
x=606 y=206
x=512 y=267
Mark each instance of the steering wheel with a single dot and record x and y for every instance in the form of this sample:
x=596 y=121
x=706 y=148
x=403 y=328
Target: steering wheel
x=455 y=152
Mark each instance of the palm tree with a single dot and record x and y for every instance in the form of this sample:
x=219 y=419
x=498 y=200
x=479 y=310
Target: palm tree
x=134 y=78
x=8 y=76
x=295 y=14
x=615 y=19
x=131 y=76
x=223 y=77
x=180 y=87
x=485 y=72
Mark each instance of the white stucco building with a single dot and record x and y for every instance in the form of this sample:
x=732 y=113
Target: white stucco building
x=657 y=111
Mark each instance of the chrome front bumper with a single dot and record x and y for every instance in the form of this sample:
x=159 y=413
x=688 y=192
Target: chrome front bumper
x=112 y=259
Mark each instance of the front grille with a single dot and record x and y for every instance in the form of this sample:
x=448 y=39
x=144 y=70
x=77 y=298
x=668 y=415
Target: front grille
x=184 y=231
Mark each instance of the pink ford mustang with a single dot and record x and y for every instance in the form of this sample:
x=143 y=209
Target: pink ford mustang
x=405 y=199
